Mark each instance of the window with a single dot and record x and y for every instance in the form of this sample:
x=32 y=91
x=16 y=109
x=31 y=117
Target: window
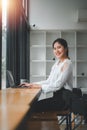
x=4 y=28
x=14 y=41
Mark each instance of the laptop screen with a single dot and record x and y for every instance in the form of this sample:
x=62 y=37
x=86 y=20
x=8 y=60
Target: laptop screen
x=9 y=79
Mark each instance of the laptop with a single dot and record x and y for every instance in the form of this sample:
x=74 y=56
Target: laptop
x=10 y=81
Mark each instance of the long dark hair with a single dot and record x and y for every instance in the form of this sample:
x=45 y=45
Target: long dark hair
x=63 y=42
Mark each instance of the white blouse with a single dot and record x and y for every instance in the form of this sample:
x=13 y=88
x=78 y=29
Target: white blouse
x=61 y=75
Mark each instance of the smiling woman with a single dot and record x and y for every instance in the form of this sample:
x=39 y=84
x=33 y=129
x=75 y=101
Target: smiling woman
x=59 y=81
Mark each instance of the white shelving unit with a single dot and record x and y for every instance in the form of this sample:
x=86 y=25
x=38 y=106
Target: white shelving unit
x=41 y=54
x=82 y=59
x=37 y=56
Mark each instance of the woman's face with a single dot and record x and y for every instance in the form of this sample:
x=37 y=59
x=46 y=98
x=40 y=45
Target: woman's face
x=59 y=50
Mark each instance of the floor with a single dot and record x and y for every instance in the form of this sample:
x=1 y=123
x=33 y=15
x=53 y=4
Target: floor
x=50 y=125
x=43 y=125
x=47 y=125
x=82 y=127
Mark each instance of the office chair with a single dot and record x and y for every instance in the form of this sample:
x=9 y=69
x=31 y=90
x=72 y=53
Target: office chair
x=52 y=116
x=79 y=107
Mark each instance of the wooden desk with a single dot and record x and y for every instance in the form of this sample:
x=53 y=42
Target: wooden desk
x=14 y=104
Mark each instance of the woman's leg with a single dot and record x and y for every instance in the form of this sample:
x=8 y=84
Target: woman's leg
x=54 y=103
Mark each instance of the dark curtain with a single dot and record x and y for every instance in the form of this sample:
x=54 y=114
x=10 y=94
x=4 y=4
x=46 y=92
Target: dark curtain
x=0 y=40
x=17 y=42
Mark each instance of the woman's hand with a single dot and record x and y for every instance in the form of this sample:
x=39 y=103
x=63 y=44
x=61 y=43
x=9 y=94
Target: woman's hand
x=24 y=84
x=35 y=86
x=30 y=85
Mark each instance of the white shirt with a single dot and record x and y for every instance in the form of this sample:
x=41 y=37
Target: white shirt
x=61 y=75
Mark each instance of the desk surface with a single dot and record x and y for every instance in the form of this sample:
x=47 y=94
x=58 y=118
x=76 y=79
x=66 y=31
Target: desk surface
x=14 y=104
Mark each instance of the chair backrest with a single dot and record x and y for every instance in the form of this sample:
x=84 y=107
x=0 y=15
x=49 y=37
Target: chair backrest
x=9 y=79
x=84 y=97
x=78 y=103
x=67 y=96
x=77 y=93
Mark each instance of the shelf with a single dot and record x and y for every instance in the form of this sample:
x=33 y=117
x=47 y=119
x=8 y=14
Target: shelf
x=82 y=61
x=51 y=36
x=38 y=46
x=37 y=75
x=82 y=46
x=52 y=61
x=49 y=46
x=81 y=76
x=41 y=54
x=38 y=61
x=71 y=46
x=69 y=36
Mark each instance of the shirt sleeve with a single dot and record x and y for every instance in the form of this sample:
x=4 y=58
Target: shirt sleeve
x=64 y=76
x=45 y=83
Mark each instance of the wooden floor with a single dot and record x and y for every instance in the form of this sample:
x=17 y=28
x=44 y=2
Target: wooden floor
x=43 y=125
x=49 y=125
x=82 y=127
x=38 y=124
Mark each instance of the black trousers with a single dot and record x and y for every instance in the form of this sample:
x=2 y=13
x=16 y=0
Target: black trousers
x=57 y=102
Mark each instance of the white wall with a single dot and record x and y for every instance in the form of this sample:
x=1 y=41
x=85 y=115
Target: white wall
x=56 y=14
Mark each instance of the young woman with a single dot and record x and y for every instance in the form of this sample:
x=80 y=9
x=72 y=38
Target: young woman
x=59 y=80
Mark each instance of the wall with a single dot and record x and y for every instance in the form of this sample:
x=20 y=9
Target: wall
x=56 y=14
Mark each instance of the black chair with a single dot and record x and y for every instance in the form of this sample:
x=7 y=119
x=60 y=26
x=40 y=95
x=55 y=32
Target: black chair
x=66 y=112
x=79 y=106
x=50 y=116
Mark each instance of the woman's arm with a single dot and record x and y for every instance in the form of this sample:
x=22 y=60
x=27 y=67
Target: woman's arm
x=66 y=72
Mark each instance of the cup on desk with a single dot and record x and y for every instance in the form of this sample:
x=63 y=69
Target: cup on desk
x=23 y=80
